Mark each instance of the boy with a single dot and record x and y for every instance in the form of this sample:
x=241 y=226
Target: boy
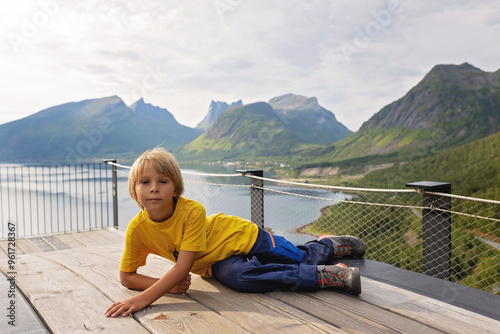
x=232 y=249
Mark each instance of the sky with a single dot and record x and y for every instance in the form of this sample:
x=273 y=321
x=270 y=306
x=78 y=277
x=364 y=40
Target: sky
x=355 y=57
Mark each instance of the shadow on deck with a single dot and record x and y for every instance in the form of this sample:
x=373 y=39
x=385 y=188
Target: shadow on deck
x=69 y=280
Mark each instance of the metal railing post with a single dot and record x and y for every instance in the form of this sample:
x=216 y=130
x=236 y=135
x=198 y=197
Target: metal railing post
x=114 y=177
x=256 y=195
x=436 y=229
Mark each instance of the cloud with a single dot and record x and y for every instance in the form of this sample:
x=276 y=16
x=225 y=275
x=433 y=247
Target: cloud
x=129 y=55
x=181 y=55
x=231 y=64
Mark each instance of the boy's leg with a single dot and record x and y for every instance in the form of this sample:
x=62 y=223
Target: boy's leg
x=250 y=275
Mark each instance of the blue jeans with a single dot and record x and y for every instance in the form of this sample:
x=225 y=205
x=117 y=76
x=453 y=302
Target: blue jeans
x=274 y=263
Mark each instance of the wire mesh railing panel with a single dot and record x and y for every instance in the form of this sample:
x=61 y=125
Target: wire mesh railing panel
x=475 y=235
x=49 y=199
x=390 y=233
x=227 y=193
x=289 y=211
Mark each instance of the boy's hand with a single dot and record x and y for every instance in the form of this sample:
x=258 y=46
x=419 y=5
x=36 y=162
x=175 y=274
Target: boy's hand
x=126 y=307
x=136 y=303
x=183 y=286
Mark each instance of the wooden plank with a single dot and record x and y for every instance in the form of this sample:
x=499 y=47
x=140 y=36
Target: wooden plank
x=26 y=247
x=97 y=236
x=171 y=313
x=180 y=314
x=351 y=313
x=41 y=244
x=384 y=308
x=256 y=313
x=84 y=239
x=113 y=235
x=428 y=311
x=68 y=240
x=96 y=266
x=55 y=243
x=67 y=302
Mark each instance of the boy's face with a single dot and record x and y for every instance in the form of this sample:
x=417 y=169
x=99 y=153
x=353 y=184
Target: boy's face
x=156 y=193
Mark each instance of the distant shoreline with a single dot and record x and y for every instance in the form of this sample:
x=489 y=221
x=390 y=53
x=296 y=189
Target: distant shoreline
x=303 y=229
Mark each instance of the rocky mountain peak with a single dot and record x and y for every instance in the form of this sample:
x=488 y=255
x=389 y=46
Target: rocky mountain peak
x=142 y=105
x=215 y=110
x=446 y=93
x=297 y=102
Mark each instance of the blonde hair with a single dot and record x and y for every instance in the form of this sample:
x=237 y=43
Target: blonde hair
x=163 y=162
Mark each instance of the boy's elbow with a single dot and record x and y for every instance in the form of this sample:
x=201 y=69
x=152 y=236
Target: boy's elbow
x=126 y=279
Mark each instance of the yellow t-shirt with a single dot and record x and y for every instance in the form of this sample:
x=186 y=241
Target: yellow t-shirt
x=214 y=238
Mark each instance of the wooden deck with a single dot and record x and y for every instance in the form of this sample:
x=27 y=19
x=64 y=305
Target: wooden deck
x=71 y=279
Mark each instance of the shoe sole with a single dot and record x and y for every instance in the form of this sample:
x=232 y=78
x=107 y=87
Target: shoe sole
x=354 y=287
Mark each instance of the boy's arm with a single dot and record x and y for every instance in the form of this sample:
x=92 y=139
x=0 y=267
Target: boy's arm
x=133 y=280
x=163 y=285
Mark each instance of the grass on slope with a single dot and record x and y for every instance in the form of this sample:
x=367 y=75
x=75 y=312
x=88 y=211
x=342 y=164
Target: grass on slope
x=472 y=169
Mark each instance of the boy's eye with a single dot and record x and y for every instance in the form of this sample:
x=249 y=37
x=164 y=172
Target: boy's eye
x=144 y=182
x=163 y=181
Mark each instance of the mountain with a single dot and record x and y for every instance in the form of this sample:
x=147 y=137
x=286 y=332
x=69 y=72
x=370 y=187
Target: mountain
x=453 y=105
x=90 y=129
x=258 y=130
x=215 y=110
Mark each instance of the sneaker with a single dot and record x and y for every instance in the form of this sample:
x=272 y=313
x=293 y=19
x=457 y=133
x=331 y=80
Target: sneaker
x=345 y=245
x=339 y=276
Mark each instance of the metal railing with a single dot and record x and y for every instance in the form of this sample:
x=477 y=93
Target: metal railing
x=422 y=228
x=48 y=199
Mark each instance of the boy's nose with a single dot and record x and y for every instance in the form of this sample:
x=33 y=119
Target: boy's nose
x=154 y=188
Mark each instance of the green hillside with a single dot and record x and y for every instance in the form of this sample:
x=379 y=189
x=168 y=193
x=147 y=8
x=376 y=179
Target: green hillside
x=472 y=169
x=399 y=241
